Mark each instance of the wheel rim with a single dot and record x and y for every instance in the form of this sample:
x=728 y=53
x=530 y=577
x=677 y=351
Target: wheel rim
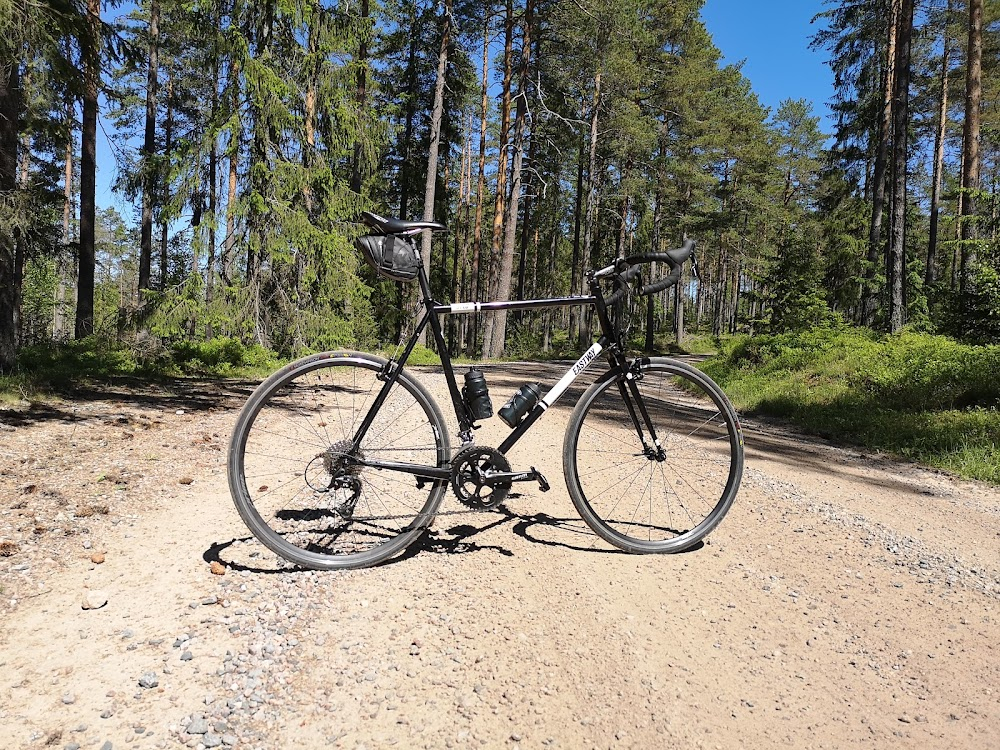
x=647 y=503
x=304 y=484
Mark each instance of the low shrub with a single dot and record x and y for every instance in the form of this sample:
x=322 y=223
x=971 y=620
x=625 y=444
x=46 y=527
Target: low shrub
x=921 y=396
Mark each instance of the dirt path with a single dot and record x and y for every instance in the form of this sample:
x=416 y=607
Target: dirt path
x=846 y=601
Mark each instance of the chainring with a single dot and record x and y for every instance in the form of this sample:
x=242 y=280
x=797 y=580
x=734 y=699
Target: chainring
x=469 y=469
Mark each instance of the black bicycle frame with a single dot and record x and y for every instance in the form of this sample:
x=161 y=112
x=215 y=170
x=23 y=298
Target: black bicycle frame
x=608 y=343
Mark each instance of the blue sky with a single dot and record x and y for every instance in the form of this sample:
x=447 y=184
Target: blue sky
x=773 y=37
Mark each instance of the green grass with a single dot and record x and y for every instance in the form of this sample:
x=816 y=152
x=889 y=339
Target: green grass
x=45 y=370
x=922 y=397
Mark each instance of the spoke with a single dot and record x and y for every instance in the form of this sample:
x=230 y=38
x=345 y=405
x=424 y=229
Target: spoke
x=303 y=415
x=604 y=469
x=396 y=418
x=592 y=428
x=633 y=476
x=642 y=494
x=272 y=490
x=405 y=434
x=267 y=431
x=261 y=475
x=279 y=458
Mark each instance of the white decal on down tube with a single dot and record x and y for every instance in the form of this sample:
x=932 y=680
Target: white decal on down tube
x=581 y=364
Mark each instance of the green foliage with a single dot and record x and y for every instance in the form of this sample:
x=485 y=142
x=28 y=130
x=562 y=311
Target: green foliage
x=221 y=356
x=46 y=368
x=924 y=397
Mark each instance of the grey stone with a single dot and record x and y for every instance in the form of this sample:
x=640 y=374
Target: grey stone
x=197 y=726
x=211 y=740
x=149 y=680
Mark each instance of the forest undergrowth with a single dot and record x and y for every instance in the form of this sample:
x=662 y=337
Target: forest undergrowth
x=923 y=397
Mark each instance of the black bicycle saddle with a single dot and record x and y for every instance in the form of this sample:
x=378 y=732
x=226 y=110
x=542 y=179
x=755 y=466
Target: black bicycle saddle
x=398 y=226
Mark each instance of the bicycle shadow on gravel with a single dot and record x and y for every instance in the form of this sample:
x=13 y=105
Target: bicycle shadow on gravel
x=459 y=540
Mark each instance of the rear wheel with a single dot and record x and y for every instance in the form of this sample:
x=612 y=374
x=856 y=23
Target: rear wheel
x=652 y=498
x=301 y=486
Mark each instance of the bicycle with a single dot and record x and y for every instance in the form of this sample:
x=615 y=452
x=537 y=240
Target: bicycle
x=341 y=459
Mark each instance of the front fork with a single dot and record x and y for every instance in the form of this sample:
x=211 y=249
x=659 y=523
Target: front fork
x=628 y=387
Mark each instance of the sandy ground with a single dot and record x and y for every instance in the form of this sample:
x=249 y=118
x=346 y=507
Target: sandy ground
x=846 y=601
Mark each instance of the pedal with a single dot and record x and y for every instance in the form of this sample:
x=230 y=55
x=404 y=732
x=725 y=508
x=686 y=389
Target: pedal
x=543 y=483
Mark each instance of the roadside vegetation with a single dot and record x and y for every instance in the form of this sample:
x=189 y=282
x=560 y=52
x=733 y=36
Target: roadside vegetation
x=45 y=370
x=923 y=397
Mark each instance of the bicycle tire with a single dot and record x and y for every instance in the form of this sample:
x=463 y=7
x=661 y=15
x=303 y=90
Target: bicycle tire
x=285 y=450
x=680 y=499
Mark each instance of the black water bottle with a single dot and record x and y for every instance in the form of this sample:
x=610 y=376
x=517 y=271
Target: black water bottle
x=477 y=395
x=520 y=404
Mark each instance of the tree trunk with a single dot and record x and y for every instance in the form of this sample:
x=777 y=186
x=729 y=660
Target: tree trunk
x=657 y=218
x=870 y=292
x=930 y=272
x=362 y=84
x=498 y=340
x=590 y=224
x=574 y=283
x=24 y=170
x=213 y=200
x=58 y=309
x=149 y=174
x=679 y=312
x=88 y=173
x=477 y=245
x=971 y=153
x=233 y=149
x=411 y=104
x=435 y=144
x=10 y=117
x=499 y=211
x=309 y=119
x=168 y=134
x=896 y=261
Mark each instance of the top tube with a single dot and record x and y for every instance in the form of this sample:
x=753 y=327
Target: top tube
x=459 y=308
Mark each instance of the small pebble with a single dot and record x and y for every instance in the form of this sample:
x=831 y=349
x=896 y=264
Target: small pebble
x=94 y=599
x=149 y=680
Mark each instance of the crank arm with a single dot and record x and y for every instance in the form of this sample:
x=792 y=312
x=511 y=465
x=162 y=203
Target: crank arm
x=509 y=477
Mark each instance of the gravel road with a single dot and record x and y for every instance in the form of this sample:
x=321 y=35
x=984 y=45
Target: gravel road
x=847 y=601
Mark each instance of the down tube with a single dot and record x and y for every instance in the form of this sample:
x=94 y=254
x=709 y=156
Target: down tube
x=553 y=395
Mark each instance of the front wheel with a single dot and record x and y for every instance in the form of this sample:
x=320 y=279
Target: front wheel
x=298 y=475
x=642 y=496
